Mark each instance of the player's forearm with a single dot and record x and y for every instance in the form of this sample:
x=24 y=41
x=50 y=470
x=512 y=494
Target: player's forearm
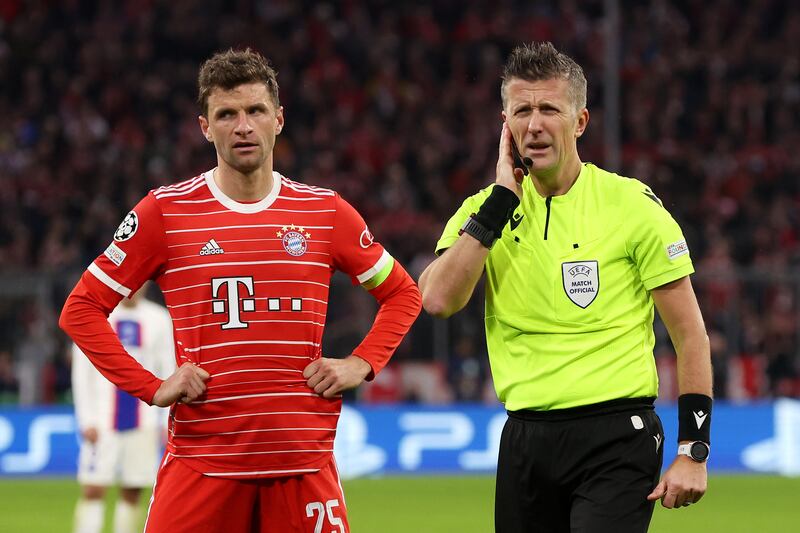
x=400 y=305
x=85 y=319
x=447 y=284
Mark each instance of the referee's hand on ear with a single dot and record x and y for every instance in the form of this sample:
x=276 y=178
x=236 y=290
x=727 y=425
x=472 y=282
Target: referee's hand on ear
x=684 y=483
x=507 y=175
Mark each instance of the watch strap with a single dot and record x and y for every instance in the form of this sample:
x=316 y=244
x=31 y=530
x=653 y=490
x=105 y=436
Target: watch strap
x=480 y=232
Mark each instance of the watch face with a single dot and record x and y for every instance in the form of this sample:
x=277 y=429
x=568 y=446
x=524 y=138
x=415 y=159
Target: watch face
x=699 y=451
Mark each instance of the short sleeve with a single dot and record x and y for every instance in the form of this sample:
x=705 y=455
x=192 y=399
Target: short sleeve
x=452 y=229
x=354 y=250
x=656 y=243
x=84 y=389
x=165 y=343
x=136 y=253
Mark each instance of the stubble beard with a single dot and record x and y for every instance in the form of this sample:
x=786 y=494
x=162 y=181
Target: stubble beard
x=245 y=165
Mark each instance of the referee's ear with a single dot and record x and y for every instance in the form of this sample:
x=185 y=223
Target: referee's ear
x=582 y=122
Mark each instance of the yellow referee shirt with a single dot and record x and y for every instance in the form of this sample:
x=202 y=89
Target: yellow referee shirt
x=569 y=316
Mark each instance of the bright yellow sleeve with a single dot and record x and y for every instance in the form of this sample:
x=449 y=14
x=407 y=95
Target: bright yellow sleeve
x=451 y=230
x=656 y=243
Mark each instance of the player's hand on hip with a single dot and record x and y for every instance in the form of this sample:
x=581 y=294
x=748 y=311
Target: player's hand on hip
x=329 y=377
x=90 y=435
x=185 y=385
x=684 y=483
x=507 y=175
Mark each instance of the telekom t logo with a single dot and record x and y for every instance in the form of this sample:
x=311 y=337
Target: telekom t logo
x=238 y=302
x=219 y=306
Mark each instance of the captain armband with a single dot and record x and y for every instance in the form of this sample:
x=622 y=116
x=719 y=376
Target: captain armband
x=380 y=274
x=487 y=224
x=694 y=418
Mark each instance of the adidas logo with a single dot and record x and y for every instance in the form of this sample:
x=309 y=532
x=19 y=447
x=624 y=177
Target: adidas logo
x=211 y=248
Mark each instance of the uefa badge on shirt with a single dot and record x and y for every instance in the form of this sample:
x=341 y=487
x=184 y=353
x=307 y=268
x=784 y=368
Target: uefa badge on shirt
x=127 y=228
x=677 y=249
x=581 y=282
x=295 y=239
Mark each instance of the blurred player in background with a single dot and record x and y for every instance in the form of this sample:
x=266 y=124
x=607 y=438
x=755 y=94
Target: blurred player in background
x=121 y=436
x=244 y=257
x=575 y=258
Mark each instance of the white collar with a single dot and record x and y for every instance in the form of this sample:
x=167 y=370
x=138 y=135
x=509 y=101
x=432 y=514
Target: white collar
x=240 y=207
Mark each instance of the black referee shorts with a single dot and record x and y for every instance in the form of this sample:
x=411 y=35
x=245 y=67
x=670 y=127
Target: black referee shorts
x=583 y=470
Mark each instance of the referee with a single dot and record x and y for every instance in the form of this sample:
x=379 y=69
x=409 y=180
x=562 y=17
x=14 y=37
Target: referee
x=575 y=259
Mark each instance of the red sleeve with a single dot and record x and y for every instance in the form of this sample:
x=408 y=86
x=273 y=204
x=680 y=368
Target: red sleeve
x=85 y=319
x=354 y=250
x=400 y=304
x=137 y=253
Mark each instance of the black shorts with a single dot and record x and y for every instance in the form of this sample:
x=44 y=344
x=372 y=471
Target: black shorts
x=582 y=470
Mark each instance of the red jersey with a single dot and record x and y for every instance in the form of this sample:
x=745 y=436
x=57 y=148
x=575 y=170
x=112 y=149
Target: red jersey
x=246 y=285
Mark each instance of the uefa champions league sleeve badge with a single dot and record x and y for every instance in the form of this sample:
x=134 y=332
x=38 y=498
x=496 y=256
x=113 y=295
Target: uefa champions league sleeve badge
x=127 y=228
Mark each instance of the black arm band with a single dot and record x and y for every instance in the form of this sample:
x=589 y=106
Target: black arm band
x=497 y=209
x=694 y=417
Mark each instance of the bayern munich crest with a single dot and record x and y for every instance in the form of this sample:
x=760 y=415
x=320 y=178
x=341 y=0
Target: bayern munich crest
x=295 y=239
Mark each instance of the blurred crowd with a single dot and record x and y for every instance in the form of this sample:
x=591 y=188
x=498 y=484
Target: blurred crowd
x=396 y=106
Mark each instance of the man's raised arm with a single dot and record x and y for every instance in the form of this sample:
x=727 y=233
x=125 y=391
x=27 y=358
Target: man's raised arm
x=447 y=284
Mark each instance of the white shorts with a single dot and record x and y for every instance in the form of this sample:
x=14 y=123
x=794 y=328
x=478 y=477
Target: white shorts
x=128 y=457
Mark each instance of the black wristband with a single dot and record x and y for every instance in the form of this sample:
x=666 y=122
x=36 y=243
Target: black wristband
x=497 y=209
x=694 y=417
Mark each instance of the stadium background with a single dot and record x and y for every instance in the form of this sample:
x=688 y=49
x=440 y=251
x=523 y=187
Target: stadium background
x=397 y=107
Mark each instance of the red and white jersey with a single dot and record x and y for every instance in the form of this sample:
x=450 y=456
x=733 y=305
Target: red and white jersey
x=145 y=331
x=246 y=285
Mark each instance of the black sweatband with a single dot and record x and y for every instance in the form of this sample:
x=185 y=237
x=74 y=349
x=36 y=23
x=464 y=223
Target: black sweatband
x=694 y=417
x=497 y=209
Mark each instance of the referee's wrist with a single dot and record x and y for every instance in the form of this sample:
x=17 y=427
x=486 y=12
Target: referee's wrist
x=497 y=209
x=694 y=417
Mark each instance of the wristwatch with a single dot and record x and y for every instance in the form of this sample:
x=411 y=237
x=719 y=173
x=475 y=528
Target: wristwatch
x=698 y=450
x=484 y=235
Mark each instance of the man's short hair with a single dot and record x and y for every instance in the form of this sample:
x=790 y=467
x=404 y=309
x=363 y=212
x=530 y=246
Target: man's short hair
x=232 y=68
x=541 y=61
